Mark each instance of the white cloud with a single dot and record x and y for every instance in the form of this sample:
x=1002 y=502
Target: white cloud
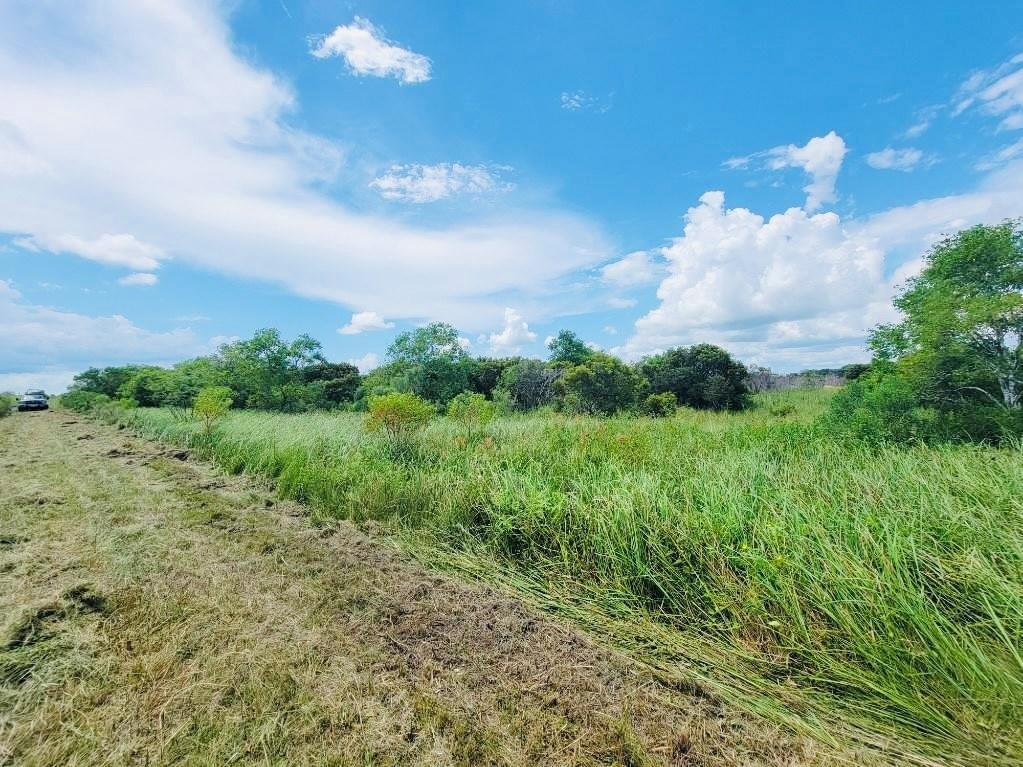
x=820 y=158
x=367 y=52
x=112 y=249
x=635 y=269
x=41 y=338
x=997 y=92
x=1002 y=156
x=895 y=159
x=799 y=290
x=510 y=339
x=363 y=321
x=150 y=123
x=50 y=381
x=430 y=183
x=615 y=302
x=924 y=119
x=138 y=278
x=366 y=362
x=581 y=101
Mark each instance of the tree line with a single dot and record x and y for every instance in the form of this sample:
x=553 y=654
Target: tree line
x=952 y=369
x=269 y=372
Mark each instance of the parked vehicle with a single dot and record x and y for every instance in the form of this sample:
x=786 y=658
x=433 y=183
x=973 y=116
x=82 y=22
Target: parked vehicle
x=35 y=399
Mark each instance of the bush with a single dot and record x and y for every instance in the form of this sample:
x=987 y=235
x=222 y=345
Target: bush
x=83 y=401
x=660 y=405
x=7 y=401
x=399 y=415
x=211 y=404
x=601 y=385
x=472 y=410
x=702 y=376
x=782 y=409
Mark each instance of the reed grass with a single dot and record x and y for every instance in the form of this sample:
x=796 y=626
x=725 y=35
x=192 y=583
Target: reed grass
x=871 y=596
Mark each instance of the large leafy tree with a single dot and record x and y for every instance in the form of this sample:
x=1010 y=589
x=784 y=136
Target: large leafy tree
x=600 y=384
x=961 y=338
x=268 y=371
x=702 y=376
x=431 y=361
x=568 y=348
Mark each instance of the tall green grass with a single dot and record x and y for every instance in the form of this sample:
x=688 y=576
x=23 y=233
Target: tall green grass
x=870 y=596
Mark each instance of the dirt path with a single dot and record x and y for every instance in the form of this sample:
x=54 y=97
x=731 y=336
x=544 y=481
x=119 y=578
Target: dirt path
x=155 y=612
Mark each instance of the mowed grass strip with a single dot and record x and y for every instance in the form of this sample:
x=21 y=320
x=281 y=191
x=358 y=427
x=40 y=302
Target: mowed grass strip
x=870 y=596
x=153 y=611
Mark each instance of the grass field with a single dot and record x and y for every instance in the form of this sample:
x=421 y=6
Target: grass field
x=871 y=597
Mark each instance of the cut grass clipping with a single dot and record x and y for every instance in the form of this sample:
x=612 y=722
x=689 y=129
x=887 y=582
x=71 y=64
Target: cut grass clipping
x=872 y=597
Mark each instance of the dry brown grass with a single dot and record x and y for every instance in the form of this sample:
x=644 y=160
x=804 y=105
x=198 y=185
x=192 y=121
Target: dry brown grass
x=155 y=612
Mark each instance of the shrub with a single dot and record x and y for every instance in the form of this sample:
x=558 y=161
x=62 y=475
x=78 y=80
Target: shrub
x=602 y=384
x=400 y=415
x=211 y=404
x=782 y=409
x=472 y=410
x=702 y=376
x=82 y=400
x=660 y=405
x=7 y=401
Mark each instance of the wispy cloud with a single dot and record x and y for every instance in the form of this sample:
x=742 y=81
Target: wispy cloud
x=899 y=159
x=430 y=183
x=581 y=101
x=113 y=249
x=367 y=52
x=997 y=91
x=138 y=278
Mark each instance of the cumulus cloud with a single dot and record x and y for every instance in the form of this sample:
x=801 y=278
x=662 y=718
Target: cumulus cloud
x=367 y=52
x=363 y=321
x=510 y=339
x=997 y=92
x=800 y=289
x=366 y=362
x=895 y=159
x=430 y=183
x=138 y=278
x=42 y=338
x=820 y=158
x=635 y=269
x=183 y=143
x=111 y=249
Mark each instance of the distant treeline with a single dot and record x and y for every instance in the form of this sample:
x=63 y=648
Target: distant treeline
x=271 y=373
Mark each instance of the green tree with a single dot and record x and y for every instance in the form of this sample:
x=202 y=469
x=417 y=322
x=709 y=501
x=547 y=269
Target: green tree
x=268 y=372
x=472 y=410
x=568 y=348
x=963 y=326
x=337 y=381
x=431 y=361
x=953 y=367
x=485 y=373
x=601 y=384
x=146 y=386
x=211 y=404
x=529 y=384
x=702 y=376
x=107 y=381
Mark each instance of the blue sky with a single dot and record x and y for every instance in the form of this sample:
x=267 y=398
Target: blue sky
x=180 y=173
